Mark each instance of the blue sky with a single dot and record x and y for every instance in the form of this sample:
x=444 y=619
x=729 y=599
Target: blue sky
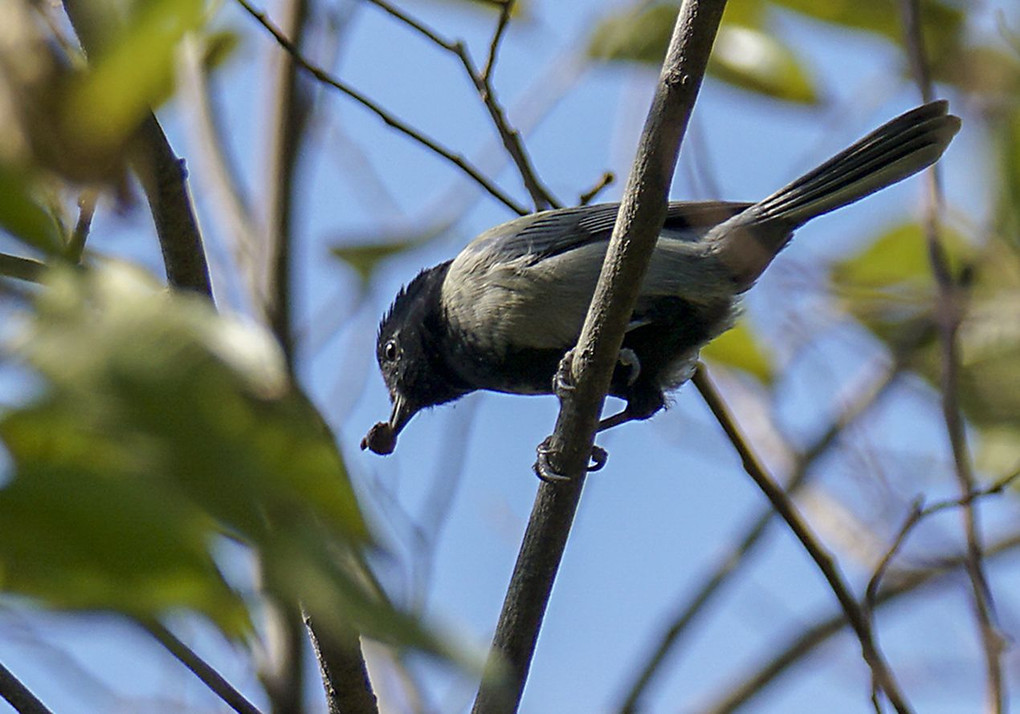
x=672 y=495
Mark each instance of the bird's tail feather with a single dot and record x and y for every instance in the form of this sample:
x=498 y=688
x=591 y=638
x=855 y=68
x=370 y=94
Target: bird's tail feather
x=746 y=243
x=891 y=153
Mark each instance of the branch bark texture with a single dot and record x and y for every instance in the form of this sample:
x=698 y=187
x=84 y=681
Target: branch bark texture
x=640 y=219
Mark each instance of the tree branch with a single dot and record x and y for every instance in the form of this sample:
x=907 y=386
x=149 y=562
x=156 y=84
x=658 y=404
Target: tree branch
x=389 y=119
x=344 y=674
x=733 y=696
x=14 y=266
x=482 y=80
x=882 y=674
x=200 y=668
x=950 y=310
x=732 y=561
x=18 y=695
x=164 y=180
x=634 y=235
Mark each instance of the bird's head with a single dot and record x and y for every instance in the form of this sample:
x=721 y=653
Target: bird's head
x=408 y=350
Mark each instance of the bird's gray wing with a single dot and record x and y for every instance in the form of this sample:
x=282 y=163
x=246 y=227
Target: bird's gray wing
x=529 y=282
x=539 y=236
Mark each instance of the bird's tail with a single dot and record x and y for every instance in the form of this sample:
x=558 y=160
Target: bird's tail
x=891 y=153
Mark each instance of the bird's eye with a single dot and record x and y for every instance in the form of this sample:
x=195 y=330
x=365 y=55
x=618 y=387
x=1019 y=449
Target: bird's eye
x=390 y=350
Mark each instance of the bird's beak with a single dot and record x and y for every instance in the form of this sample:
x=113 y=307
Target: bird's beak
x=382 y=438
x=401 y=414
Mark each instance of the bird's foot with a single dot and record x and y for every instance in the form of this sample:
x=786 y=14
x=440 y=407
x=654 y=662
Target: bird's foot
x=545 y=471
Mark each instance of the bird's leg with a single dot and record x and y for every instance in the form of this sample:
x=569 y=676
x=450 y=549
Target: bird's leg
x=643 y=402
x=563 y=384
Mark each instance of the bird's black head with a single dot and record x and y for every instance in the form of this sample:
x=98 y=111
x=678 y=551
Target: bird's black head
x=409 y=350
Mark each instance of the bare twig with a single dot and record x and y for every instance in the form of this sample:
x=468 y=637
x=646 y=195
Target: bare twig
x=14 y=266
x=288 y=112
x=344 y=675
x=638 y=223
x=221 y=178
x=918 y=513
x=283 y=672
x=735 y=695
x=881 y=673
x=732 y=561
x=605 y=180
x=18 y=695
x=200 y=668
x=86 y=208
x=164 y=180
x=482 y=80
x=950 y=309
x=504 y=22
x=388 y=118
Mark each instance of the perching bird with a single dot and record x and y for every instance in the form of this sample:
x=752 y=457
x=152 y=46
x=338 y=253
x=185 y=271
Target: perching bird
x=502 y=314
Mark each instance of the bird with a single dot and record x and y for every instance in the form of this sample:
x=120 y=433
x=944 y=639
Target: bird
x=502 y=315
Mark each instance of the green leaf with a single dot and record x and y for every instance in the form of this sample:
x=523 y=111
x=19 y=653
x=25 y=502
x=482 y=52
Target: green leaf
x=739 y=348
x=897 y=257
x=365 y=258
x=744 y=54
x=942 y=23
x=639 y=34
x=187 y=422
x=1007 y=140
x=132 y=71
x=25 y=218
x=76 y=533
x=758 y=62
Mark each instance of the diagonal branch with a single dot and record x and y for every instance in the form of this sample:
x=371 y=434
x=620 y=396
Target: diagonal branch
x=482 y=80
x=733 y=696
x=882 y=674
x=200 y=668
x=18 y=695
x=732 y=561
x=638 y=223
x=389 y=119
x=165 y=182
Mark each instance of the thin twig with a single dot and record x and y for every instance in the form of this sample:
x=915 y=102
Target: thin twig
x=283 y=672
x=389 y=119
x=504 y=21
x=735 y=695
x=164 y=180
x=14 y=266
x=18 y=695
x=638 y=223
x=86 y=208
x=481 y=79
x=732 y=561
x=344 y=674
x=950 y=309
x=882 y=674
x=605 y=180
x=918 y=512
x=221 y=178
x=200 y=668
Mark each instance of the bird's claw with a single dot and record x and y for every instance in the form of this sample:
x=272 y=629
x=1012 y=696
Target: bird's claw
x=545 y=471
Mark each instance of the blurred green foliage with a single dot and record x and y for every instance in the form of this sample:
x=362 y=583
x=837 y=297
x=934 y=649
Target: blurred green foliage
x=159 y=429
